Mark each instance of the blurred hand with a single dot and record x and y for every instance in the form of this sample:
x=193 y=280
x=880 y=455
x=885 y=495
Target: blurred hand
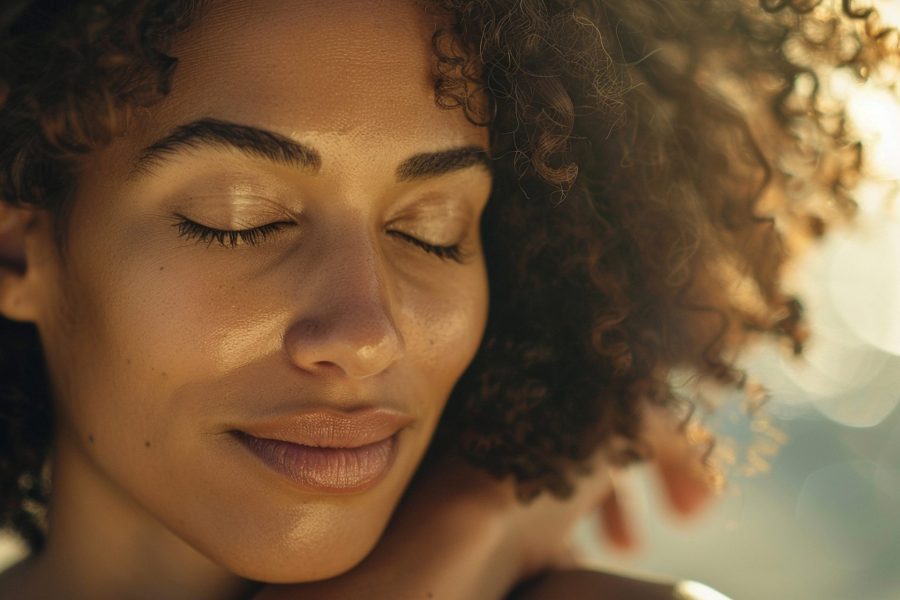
x=687 y=484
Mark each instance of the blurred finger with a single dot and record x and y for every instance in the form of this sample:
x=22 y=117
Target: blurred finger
x=680 y=461
x=615 y=524
x=687 y=488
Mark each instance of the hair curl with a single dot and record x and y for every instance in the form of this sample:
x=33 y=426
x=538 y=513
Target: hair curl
x=638 y=221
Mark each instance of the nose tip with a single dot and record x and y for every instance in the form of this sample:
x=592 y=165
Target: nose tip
x=347 y=322
x=360 y=342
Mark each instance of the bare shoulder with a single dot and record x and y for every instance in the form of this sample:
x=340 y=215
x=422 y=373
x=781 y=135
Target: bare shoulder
x=590 y=584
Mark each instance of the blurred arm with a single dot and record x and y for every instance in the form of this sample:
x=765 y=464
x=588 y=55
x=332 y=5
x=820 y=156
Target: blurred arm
x=587 y=584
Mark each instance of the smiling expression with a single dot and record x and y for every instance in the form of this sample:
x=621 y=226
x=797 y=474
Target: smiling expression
x=356 y=281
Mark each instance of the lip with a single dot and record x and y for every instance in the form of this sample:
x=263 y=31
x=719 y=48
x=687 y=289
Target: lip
x=326 y=450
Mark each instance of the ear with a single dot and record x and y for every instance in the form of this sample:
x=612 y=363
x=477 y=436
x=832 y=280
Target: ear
x=17 y=300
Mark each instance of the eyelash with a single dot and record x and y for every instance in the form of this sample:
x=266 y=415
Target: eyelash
x=191 y=230
x=443 y=252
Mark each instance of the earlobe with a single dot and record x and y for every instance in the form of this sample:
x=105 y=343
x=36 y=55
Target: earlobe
x=16 y=301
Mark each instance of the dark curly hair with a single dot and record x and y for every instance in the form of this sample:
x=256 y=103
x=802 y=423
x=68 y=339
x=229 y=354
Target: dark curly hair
x=653 y=160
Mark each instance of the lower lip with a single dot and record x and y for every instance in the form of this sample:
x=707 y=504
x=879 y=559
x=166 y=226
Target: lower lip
x=333 y=470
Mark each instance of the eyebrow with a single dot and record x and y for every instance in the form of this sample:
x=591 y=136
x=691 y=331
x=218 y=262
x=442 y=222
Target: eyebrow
x=216 y=133
x=274 y=147
x=432 y=164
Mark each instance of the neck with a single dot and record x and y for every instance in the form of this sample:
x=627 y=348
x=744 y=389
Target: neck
x=102 y=544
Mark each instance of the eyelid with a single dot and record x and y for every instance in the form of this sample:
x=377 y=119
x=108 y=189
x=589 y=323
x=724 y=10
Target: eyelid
x=439 y=208
x=265 y=207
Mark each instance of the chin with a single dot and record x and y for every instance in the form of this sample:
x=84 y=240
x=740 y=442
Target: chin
x=319 y=543
x=323 y=566
x=299 y=567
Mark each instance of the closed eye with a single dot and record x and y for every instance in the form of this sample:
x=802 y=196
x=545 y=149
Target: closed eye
x=452 y=252
x=191 y=230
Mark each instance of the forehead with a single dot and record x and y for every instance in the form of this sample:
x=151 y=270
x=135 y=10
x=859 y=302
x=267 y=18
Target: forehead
x=356 y=70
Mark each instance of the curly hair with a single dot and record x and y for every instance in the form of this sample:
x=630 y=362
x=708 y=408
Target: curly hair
x=653 y=159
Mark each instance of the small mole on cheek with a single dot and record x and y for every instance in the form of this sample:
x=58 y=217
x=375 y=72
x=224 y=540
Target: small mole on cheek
x=161 y=268
x=127 y=361
x=146 y=443
x=91 y=438
x=164 y=374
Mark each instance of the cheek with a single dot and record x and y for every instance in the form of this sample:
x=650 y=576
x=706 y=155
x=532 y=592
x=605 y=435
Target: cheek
x=448 y=326
x=151 y=347
x=132 y=320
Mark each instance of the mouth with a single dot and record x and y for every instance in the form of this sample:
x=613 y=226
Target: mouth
x=327 y=451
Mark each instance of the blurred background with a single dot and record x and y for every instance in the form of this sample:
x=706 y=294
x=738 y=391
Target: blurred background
x=811 y=510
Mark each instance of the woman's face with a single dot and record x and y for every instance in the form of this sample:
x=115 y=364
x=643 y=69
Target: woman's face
x=162 y=346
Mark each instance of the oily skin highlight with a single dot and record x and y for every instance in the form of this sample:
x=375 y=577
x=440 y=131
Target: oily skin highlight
x=159 y=345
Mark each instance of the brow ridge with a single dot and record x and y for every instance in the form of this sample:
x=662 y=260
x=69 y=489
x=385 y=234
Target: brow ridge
x=218 y=133
x=432 y=164
x=254 y=141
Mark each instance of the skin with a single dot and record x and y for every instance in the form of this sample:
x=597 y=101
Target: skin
x=158 y=346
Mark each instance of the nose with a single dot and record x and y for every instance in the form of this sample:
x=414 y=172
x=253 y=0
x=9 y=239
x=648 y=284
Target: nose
x=351 y=326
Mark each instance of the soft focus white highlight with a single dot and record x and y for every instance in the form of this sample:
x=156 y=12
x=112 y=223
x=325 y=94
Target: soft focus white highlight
x=850 y=282
x=876 y=114
x=889 y=10
x=862 y=281
x=691 y=590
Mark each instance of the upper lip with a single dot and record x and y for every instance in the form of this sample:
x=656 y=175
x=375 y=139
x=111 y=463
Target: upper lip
x=330 y=428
